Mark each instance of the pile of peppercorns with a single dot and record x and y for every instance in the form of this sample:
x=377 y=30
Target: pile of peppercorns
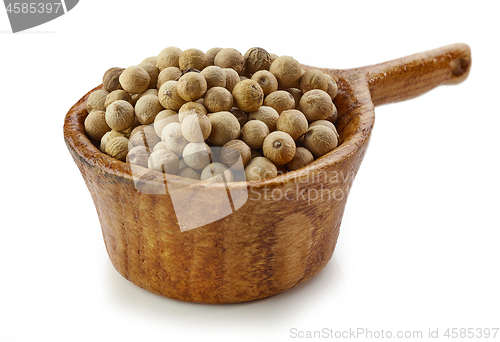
x=170 y=113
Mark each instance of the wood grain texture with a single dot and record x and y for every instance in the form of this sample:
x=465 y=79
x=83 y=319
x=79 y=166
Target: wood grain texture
x=286 y=231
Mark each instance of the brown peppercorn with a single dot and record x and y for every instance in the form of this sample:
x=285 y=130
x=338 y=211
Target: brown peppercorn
x=168 y=74
x=280 y=100
x=297 y=94
x=218 y=99
x=253 y=133
x=232 y=151
x=117 y=148
x=266 y=80
x=146 y=109
x=287 y=71
x=120 y=115
x=138 y=155
x=192 y=58
x=240 y=115
x=108 y=136
x=267 y=115
x=163 y=160
x=320 y=140
x=190 y=108
x=136 y=97
x=255 y=153
x=164 y=118
x=116 y=95
x=169 y=97
x=96 y=100
x=332 y=87
x=153 y=72
x=143 y=135
x=316 y=104
x=196 y=128
x=333 y=115
x=293 y=122
x=196 y=106
x=279 y=147
x=95 y=124
x=152 y=59
x=134 y=125
x=281 y=169
x=134 y=80
x=191 y=86
x=230 y=58
x=168 y=57
x=248 y=95
x=256 y=59
x=225 y=127
x=313 y=79
x=111 y=79
x=327 y=124
x=232 y=78
x=302 y=158
x=215 y=76
x=185 y=113
x=210 y=54
x=260 y=168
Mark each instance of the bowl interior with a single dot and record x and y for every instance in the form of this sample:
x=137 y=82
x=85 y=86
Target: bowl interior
x=354 y=123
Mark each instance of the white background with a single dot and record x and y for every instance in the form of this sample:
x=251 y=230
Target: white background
x=419 y=243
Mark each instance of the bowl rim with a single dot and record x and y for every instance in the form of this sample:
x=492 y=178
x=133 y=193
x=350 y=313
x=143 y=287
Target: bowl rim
x=348 y=82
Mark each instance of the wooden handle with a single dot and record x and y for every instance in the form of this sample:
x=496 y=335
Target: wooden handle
x=414 y=75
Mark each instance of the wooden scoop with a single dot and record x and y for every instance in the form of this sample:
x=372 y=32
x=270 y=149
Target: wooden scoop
x=277 y=233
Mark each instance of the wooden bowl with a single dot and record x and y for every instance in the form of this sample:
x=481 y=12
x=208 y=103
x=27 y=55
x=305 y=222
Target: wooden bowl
x=280 y=232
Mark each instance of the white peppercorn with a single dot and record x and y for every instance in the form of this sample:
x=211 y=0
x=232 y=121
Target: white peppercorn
x=260 y=168
x=215 y=76
x=225 y=127
x=163 y=118
x=164 y=160
x=117 y=148
x=216 y=172
x=316 y=104
x=146 y=109
x=168 y=57
x=230 y=58
x=134 y=79
x=95 y=124
x=267 y=115
x=197 y=155
x=120 y=115
x=218 y=99
x=96 y=100
x=320 y=140
x=172 y=137
x=169 y=97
